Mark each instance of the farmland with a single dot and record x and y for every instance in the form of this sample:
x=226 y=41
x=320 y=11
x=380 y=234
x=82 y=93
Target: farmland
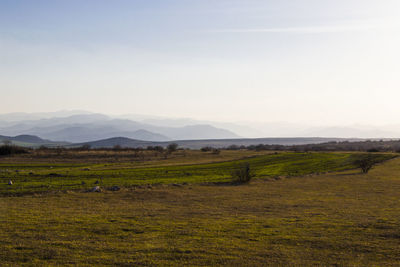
x=184 y=167
x=183 y=209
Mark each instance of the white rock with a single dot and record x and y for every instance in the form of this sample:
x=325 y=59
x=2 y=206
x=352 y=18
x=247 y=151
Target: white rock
x=96 y=189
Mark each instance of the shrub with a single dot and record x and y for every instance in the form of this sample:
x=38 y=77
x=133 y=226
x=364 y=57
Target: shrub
x=365 y=163
x=172 y=147
x=242 y=174
x=206 y=149
x=117 y=148
x=85 y=147
x=11 y=149
x=159 y=148
x=43 y=147
x=233 y=147
x=216 y=151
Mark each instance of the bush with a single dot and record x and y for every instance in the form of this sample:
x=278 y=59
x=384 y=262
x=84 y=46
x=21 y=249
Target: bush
x=86 y=147
x=117 y=148
x=6 y=150
x=206 y=149
x=365 y=163
x=159 y=148
x=43 y=147
x=233 y=147
x=243 y=174
x=172 y=147
x=216 y=151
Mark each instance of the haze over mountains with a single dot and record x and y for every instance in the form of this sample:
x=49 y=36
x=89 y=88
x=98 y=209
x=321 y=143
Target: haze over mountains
x=79 y=128
x=82 y=126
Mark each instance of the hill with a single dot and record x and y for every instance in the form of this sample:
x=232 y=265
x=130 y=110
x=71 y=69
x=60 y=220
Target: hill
x=117 y=141
x=216 y=143
x=30 y=141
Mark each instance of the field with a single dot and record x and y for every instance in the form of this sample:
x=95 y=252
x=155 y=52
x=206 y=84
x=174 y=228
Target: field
x=84 y=170
x=300 y=209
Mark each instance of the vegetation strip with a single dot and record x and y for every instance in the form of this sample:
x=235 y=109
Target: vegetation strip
x=33 y=178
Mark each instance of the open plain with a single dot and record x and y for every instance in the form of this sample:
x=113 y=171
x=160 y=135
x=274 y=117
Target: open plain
x=299 y=209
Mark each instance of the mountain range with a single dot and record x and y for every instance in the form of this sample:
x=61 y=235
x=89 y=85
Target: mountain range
x=30 y=141
x=82 y=126
x=34 y=141
x=88 y=127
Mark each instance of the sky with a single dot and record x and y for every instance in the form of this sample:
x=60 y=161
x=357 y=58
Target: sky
x=318 y=62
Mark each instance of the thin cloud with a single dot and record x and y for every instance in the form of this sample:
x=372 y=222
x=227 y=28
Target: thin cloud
x=385 y=25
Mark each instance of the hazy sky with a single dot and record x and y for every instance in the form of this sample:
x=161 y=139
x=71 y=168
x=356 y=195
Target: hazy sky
x=314 y=61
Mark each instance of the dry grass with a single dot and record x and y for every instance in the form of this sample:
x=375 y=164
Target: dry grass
x=30 y=177
x=333 y=219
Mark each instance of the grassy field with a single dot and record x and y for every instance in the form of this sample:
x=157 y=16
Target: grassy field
x=33 y=177
x=301 y=209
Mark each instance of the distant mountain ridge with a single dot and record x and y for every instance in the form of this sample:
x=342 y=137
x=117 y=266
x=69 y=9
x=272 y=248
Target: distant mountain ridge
x=30 y=141
x=34 y=141
x=88 y=127
x=24 y=138
x=216 y=143
x=82 y=126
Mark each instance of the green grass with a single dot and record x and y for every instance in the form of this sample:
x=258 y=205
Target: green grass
x=41 y=177
x=333 y=219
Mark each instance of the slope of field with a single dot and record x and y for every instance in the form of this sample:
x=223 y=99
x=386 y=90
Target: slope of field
x=338 y=219
x=38 y=177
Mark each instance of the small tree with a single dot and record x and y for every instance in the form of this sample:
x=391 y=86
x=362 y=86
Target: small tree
x=117 y=148
x=206 y=149
x=216 y=151
x=159 y=149
x=243 y=174
x=86 y=147
x=172 y=147
x=6 y=150
x=365 y=163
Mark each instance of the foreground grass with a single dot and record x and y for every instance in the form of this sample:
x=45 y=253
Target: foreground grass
x=43 y=177
x=331 y=219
